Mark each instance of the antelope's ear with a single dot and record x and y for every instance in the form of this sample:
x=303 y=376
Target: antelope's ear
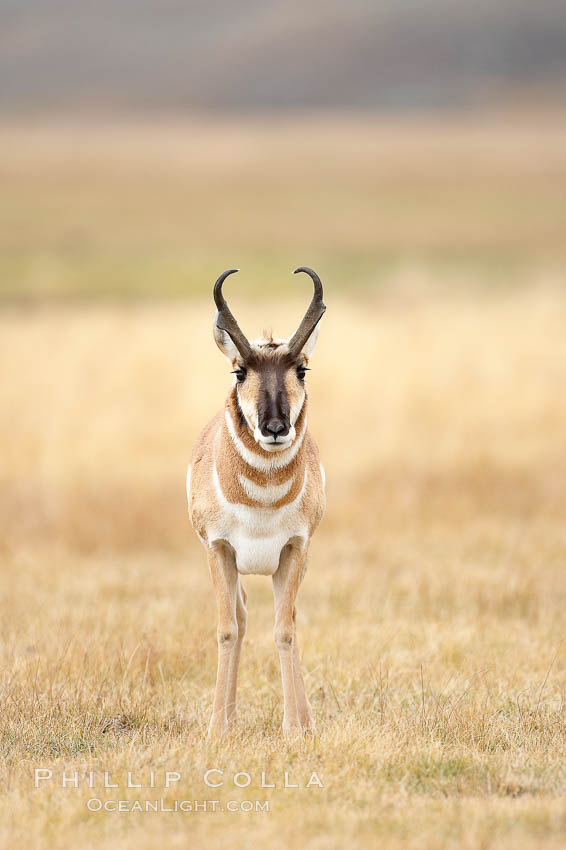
x=309 y=345
x=224 y=341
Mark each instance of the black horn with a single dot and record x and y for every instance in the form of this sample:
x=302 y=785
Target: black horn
x=226 y=321
x=312 y=317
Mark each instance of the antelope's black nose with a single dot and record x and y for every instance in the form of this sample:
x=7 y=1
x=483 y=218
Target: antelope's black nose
x=274 y=427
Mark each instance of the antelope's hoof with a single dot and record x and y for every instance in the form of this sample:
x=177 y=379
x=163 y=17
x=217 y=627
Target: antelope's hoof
x=217 y=728
x=292 y=729
x=298 y=727
x=308 y=724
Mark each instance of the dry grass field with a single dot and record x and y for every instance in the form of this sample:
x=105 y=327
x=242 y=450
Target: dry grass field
x=432 y=617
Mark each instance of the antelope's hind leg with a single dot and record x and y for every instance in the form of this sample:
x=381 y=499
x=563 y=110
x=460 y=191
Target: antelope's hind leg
x=297 y=714
x=224 y=576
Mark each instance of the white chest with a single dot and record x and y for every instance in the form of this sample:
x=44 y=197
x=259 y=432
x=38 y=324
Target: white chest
x=257 y=534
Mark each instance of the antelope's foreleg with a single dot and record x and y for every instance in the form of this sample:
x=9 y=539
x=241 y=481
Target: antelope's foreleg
x=286 y=582
x=241 y=620
x=304 y=710
x=225 y=580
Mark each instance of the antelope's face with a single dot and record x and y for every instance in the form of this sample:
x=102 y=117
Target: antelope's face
x=269 y=374
x=270 y=387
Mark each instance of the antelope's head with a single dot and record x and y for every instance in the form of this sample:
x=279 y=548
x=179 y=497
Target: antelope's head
x=269 y=373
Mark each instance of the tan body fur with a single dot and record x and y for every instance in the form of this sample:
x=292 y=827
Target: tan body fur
x=255 y=490
x=215 y=450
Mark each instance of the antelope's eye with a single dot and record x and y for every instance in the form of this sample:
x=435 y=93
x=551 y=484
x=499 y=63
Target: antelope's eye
x=240 y=375
x=301 y=372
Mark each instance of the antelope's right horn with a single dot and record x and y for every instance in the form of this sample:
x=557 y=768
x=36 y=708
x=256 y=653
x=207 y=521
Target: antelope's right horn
x=226 y=321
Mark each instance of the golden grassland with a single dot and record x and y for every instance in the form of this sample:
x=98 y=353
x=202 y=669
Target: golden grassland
x=431 y=619
x=161 y=208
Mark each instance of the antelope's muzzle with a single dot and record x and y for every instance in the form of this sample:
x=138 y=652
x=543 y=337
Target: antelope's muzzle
x=273 y=415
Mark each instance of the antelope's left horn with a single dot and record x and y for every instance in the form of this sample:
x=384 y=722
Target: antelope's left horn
x=311 y=318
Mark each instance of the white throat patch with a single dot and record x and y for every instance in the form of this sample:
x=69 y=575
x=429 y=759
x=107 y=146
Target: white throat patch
x=276 y=461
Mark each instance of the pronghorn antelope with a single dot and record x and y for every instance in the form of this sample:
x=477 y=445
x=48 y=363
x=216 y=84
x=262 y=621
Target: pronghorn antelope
x=255 y=488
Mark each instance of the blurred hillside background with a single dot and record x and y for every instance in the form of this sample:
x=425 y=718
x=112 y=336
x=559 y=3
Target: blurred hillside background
x=146 y=146
x=252 y=55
